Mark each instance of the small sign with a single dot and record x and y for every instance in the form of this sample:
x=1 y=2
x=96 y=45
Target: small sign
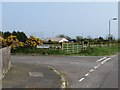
x=43 y=46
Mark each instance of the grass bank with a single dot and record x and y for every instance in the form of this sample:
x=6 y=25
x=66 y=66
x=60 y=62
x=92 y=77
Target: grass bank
x=35 y=51
x=100 y=51
x=91 y=51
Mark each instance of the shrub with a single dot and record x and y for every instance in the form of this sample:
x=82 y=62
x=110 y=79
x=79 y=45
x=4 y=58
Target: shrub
x=33 y=41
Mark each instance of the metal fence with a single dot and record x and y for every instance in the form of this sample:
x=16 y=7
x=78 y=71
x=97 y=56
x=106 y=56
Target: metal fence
x=5 y=62
x=75 y=48
x=72 y=47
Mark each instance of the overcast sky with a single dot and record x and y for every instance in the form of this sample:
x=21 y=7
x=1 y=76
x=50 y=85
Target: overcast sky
x=69 y=18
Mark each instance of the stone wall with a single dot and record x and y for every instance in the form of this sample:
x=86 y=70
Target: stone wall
x=0 y=69
x=5 y=62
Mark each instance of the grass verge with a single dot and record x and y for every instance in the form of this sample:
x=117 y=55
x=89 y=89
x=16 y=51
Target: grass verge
x=100 y=51
x=90 y=51
x=35 y=51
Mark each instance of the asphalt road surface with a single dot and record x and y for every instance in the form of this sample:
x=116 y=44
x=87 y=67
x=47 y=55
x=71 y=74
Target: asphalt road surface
x=23 y=75
x=80 y=71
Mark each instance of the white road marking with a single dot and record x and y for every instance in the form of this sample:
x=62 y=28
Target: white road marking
x=87 y=74
x=105 y=60
x=91 y=70
x=101 y=59
x=96 y=67
x=81 y=79
x=36 y=74
x=64 y=84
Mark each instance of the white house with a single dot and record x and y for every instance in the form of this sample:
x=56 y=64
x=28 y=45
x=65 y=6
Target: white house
x=56 y=40
x=63 y=40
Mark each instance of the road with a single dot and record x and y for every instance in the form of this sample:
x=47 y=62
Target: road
x=80 y=71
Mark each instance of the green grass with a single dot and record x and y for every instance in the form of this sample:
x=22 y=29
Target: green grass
x=35 y=51
x=95 y=51
x=100 y=51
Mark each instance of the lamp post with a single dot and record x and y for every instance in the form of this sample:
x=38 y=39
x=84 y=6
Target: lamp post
x=110 y=27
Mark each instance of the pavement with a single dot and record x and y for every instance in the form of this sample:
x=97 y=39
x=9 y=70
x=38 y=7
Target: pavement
x=23 y=75
x=78 y=71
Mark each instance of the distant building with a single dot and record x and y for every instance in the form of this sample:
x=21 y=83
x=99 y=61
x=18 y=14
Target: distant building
x=59 y=40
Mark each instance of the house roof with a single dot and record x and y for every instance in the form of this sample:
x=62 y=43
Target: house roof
x=63 y=40
x=56 y=39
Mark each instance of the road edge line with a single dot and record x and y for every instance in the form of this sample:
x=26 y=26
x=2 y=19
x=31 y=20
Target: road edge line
x=64 y=82
x=101 y=59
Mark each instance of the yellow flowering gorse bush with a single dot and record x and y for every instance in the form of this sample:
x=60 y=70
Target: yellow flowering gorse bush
x=12 y=41
x=33 y=41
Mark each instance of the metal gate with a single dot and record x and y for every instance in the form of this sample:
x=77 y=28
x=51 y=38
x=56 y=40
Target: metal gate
x=73 y=48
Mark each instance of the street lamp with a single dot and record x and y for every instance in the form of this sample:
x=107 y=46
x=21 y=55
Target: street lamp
x=110 y=27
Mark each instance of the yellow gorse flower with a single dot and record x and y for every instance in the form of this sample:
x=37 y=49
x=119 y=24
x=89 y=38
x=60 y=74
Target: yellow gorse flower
x=21 y=44
x=33 y=41
x=12 y=41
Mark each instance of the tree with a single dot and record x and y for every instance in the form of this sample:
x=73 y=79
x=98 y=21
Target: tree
x=68 y=38
x=21 y=36
x=85 y=41
x=111 y=37
x=79 y=38
x=101 y=38
x=6 y=34
x=63 y=36
x=60 y=36
x=49 y=41
x=89 y=38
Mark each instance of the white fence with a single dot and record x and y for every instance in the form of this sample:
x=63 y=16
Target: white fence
x=5 y=62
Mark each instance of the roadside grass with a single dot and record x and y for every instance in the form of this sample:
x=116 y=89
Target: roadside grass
x=90 y=51
x=35 y=51
x=100 y=51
